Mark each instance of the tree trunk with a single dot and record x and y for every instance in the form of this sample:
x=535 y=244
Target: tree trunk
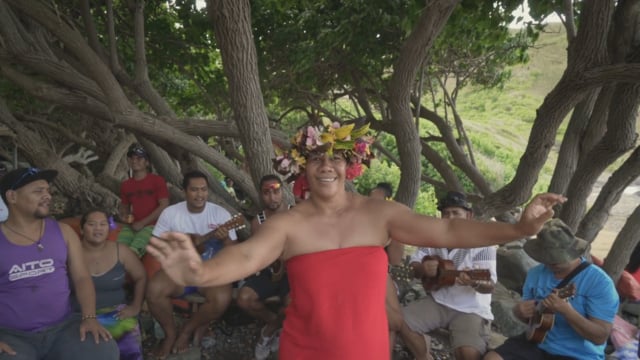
x=120 y=109
x=610 y=194
x=85 y=192
x=412 y=53
x=570 y=149
x=587 y=51
x=232 y=25
x=619 y=138
x=624 y=244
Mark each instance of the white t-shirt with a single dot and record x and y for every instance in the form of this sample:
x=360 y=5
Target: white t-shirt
x=464 y=298
x=4 y=211
x=178 y=218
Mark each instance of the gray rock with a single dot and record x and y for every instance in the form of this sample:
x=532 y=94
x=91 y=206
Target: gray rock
x=513 y=264
x=502 y=303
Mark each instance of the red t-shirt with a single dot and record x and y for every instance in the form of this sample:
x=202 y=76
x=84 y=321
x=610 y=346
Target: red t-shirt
x=143 y=195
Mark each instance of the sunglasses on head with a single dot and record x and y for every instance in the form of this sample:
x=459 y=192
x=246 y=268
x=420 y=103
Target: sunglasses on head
x=274 y=186
x=30 y=172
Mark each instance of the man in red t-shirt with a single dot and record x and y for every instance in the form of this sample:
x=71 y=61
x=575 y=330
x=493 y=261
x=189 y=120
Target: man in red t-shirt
x=143 y=197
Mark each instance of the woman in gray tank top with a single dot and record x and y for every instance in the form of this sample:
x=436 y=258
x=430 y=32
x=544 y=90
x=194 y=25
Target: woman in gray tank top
x=111 y=266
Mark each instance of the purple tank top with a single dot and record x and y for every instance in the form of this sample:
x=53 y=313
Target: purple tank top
x=34 y=286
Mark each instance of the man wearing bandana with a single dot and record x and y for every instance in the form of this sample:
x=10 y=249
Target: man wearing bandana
x=268 y=282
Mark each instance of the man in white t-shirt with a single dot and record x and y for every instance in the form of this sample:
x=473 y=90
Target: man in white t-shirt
x=460 y=303
x=4 y=211
x=201 y=219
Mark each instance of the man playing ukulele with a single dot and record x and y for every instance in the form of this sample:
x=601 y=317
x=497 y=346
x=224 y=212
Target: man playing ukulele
x=269 y=282
x=582 y=322
x=201 y=220
x=463 y=307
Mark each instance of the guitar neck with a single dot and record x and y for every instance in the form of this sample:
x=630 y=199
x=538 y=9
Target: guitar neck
x=236 y=222
x=477 y=274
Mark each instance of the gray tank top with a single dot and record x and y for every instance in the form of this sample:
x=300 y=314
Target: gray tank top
x=109 y=286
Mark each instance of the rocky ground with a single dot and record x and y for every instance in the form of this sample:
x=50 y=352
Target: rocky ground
x=235 y=336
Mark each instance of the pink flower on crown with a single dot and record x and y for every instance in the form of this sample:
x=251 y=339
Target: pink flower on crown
x=327 y=137
x=361 y=147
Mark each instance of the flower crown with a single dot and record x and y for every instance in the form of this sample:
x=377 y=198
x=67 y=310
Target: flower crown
x=327 y=137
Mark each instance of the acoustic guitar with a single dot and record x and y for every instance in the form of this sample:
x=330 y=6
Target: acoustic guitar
x=208 y=248
x=447 y=274
x=542 y=321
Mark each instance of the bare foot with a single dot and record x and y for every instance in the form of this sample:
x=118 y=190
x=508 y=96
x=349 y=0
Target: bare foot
x=182 y=343
x=427 y=343
x=164 y=348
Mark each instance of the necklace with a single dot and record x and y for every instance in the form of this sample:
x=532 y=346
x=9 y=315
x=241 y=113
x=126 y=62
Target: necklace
x=36 y=241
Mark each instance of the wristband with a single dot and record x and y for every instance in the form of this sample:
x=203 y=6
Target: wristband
x=87 y=317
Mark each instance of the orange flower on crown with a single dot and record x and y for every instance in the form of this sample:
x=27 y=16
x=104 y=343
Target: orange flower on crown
x=327 y=137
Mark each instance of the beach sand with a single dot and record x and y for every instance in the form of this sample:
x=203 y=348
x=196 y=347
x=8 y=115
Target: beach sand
x=619 y=214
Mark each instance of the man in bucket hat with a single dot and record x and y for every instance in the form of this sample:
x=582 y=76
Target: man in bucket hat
x=583 y=320
x=39 y=260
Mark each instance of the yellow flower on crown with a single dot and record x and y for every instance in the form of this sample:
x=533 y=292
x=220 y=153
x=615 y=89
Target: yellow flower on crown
x=327 y=137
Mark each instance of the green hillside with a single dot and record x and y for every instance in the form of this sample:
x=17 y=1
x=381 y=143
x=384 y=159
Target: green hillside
x=498 y=121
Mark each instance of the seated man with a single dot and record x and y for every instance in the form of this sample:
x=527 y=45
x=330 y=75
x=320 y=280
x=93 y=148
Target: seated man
x=199 y=218
x=143 y=197
x=465 y=307
x=269 y=282
x=38 y=259
x=583 y=315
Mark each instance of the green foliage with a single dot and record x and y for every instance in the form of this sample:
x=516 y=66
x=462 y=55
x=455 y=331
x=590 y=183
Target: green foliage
x=383 y=171
x=379 y=171
x=498 y=122
x=477 y=46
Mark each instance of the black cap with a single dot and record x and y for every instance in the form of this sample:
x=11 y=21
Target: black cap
x=454 y=199
x=20 y=177
x=138 y=150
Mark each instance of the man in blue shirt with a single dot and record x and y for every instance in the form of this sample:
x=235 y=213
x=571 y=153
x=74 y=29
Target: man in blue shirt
x=583 y=319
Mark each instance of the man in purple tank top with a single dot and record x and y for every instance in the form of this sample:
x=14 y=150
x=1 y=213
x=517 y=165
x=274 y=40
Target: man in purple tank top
x=38 y=258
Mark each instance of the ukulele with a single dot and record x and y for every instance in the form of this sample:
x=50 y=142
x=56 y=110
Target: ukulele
x=447 y=274
x=206 y=247
x=542 y=321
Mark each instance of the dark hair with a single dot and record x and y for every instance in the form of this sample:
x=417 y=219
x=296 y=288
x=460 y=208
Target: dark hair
x=454 y=199
x=83 y=219
x=386 y=188
x=270 y=177
x=193 y=174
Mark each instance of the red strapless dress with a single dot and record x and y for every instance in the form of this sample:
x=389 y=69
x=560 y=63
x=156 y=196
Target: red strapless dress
x=337 y=309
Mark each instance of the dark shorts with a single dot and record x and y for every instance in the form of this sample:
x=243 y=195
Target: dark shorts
x=265 y=288
x=58 y=342
x=212 y=247
x=519 y=348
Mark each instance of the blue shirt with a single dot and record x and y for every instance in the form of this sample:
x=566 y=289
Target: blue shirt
x=595 y=297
